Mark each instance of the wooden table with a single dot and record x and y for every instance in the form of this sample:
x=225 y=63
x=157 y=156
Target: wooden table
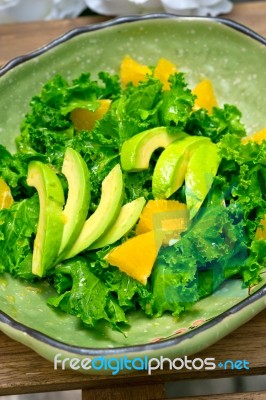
x=23 y=371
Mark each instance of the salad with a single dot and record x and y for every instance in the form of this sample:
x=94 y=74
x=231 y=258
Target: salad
x=132 y=192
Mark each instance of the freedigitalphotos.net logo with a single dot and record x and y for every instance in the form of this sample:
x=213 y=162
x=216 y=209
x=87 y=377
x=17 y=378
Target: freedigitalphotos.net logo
x=120 y=364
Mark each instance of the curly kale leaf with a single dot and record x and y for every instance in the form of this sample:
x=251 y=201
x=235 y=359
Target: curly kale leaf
x=176 y=103
x=85 y=295
x=13 y=170
x=222 y=121
x=242 y=179
x=18 y=226
x=212 y=250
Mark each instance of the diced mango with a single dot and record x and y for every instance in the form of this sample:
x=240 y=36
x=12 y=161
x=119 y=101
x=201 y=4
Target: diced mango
x=6 y=199
x=168 y=216
x=205 y=96
x=163 y=70
x=256 y=137
x=136 y=256
x=261 y=231
x=133 y=71
x=85 y=120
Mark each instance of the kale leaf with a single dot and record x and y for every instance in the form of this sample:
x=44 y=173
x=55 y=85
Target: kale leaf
x=83 y=294
x=18 y=226
x=222 y=121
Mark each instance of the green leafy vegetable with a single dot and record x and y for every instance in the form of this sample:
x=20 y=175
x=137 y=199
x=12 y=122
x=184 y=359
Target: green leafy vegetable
x=18 y=226
x=211 y=251
x=176 y=104
x=174 y=287
x=87 y=298
x=219 y=244
x=130 y=293
x=221 y=122
x=13 y=169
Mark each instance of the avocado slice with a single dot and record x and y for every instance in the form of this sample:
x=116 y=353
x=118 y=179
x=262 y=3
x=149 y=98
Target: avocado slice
x=201 y=169
x=78 y=200
x=137 y=151
x=127 y=218
x=170 y=169
x=51 y=221
x=108 y=209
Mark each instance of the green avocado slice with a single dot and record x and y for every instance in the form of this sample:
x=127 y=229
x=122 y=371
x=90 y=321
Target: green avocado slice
x=137 y=151
x=108 y=209
x=201 y=170
x=78 y=200
x=51 y=221
x=170 y=169
x=127 y=218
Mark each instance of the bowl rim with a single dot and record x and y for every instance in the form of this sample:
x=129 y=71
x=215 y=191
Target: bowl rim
x=127 y=19
x=138 y=348
x=164 y=343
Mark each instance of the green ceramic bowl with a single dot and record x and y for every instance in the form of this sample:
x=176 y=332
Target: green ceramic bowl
x=234 y=58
